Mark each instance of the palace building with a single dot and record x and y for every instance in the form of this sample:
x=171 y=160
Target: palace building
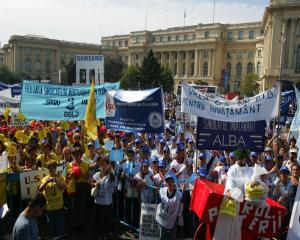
x=217 y=54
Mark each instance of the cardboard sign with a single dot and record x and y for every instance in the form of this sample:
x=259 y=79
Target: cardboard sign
x=256 y=221
x=30 y=182
x=116 y=155
x=149 y=228
x=109 y=144
x=219 y=135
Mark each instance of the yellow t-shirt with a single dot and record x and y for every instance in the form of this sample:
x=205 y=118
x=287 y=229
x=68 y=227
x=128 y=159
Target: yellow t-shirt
x=53 y=194
x=2 y=189
x=84 y=167
x=41 y=158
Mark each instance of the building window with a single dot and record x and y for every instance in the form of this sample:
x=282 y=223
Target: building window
x=126 y=43
x=205 y=69
x=38 y=65
x=153 y=39
x=27 y=64
x=48 y=66
x=175 y=68
x=37 y=51
x=239 y=54
x=120 y=43
x=205 y=54
x=192 y=69
x=136 y=39
x=137 y=56
x=228 y=70
x=258 y=69
x=169 y=38
x=229 y=36
x=28 y=50
x=239 y=72
x=185 y=37
x=240 y=35
x=183 y=69
x=184 y=55
x=259 y=53
x=193 y=55
x=262 y=32
x=228 y=55
x=298 y=59
x=250 y=68
x=175 y=55
x=177 y=37
x=47 y=52
x=251 y=34
x=114 y=43
x=250 y=54
x=206 y=34
x=194 y=36
x=161 y=38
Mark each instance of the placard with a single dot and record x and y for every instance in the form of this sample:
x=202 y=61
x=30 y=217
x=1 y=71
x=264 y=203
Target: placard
x=219 y=135
x=116 y=155
x=149 y=227
x=30 y=182
x=109 y=144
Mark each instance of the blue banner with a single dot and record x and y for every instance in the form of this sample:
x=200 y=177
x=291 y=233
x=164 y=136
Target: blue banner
x=15 y=88
x=42 y=101
x=135 y=111
x=218 y=135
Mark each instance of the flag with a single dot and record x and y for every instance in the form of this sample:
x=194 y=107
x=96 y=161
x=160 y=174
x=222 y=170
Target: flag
x=90 y=114
x=294 y=225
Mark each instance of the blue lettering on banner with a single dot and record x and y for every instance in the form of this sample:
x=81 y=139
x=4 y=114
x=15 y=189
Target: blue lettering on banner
x=89 y=58
x=42 y=101
x=219 y=135
x=143 y=115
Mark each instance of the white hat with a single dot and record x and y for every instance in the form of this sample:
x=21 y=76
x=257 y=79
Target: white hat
x=293 y=150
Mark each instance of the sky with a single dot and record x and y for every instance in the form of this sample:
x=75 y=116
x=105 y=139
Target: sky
x=89 y=20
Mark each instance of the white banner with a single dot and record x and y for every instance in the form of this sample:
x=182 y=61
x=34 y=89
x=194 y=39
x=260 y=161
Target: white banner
x=263 y=106
x=149 y=227
x=7 y=101
x=30 y=182
x=294 y=226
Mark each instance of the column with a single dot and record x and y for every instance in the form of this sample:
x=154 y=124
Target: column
x=210 y=63
x=171 y=62
x=292 y=43
x=163 y=58
x=213 y=63
x=200 y=63
x=187 y=64
x=196 y=64
x=178 y=63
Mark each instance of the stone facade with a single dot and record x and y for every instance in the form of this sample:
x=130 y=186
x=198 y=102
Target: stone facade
x=43 y=58
x=202 y=53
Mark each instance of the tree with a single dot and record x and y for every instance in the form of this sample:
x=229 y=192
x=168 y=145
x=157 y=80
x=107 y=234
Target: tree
x=248 y=86
x=71 y=72
x=130 y=79
x=10 y=77
x=113 y=69
x=167 y=79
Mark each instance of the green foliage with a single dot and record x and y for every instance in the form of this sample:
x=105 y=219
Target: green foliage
x=130 y=79
x=10 y=77
x=113 y=69
x=150 y=75
x=248 y=86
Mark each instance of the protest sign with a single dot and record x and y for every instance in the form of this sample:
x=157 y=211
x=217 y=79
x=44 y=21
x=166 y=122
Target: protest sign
x=265 y=221
x=30 y=182
x=7 y=101
x=219 y=135
x=14 y=89
x=260 y=107
x=17 y=121
x=3 y=162
x=294 y=225
x=116 y=155
x=149 y=228
x=135 y=111
x=109 y=144
x=43 y=101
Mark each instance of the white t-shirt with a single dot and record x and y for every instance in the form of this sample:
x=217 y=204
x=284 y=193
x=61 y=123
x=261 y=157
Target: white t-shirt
x=105 y=190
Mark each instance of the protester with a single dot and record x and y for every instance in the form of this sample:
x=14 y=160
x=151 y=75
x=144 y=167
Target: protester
x=52 y=186
x=26 y=227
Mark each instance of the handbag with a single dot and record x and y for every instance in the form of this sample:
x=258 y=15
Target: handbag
x=94 y=191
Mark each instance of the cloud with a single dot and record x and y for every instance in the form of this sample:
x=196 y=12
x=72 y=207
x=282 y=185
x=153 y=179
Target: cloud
x=89 y=20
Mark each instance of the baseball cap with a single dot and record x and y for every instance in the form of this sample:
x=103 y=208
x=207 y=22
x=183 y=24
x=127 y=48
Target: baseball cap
x=268 y=149
x=284 y=169
x=145 y=149
x=180 y=147
x=162 y=141
x=202 y=155
x=130 y=150
x=222 y=159
x=202 y=172
x=253 y=154
x=287 y=122
x=232 y=155
x=269 y=158
x=154 y=159
x=191 y=141
x=169 y=175
x=173 y=138
x=293 y=150
x=124 y=139
x=162 y=163
x=145 y=162
x=91 y=144
x=166 y=148
x=137 y=140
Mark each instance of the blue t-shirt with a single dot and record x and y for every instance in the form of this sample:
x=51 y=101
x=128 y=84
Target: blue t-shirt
x=25 y=228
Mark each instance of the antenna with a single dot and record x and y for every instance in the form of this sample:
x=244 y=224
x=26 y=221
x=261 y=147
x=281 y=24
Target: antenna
x=184 y=16
x=146 y=15
x=214 y=11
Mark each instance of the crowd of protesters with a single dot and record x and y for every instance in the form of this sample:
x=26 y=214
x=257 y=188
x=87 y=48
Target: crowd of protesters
x=156 y=168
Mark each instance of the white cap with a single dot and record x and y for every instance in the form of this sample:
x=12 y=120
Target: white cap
x=293 y=150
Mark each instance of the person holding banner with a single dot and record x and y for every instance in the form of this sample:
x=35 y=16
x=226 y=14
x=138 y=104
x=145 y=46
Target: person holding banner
x=53 y=186
x=169 y=209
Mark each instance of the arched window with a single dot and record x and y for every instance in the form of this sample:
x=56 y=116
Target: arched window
x=205 y=69
x=239 y=72
x=250 y=68
x=228 y=70
x=298 y=59
x=258 y=69
x=27 y=64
